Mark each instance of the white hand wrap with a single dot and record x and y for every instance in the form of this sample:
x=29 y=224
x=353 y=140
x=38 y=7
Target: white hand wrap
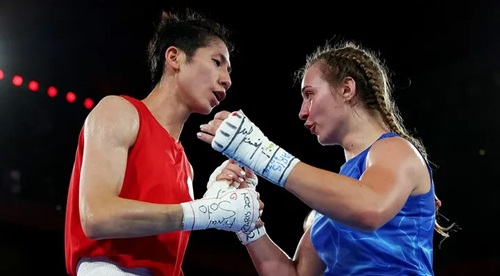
x=248 y=237
x=236 y=210
x=215 y=173
x=216 y=188
x=239 y=139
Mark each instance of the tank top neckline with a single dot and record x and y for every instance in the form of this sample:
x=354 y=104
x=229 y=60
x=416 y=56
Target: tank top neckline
x=142 y=105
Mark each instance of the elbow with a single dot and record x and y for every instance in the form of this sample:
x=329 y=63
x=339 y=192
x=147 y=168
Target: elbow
x=92 y=225
x=370 y=220
x=89 y=229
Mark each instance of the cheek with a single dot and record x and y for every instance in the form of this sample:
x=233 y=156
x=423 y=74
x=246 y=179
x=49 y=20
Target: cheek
x=205 y=73
x=198 y=76
x=319 y=105
x=325 y=107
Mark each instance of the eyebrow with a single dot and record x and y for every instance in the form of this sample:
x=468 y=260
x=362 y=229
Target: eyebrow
x=304 y=88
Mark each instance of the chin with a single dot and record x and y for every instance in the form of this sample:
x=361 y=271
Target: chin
x=324 y=142
x=204 y=110
x=321 y=142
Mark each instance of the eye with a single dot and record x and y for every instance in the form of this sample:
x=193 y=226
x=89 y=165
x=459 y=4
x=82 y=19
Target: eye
x=308 y=96
x=217 y=62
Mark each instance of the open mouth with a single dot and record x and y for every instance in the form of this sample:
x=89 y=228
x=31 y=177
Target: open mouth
x=219 y=95
x=313 y=129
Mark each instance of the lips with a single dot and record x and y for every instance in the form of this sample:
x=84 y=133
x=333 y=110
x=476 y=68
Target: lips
x=219 y=95
x=311 y=127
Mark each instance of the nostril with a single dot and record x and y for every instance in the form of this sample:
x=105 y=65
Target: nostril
x=302 y=116
x=226 y=84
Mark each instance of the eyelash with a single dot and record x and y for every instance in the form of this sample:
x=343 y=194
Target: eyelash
x=217 y=62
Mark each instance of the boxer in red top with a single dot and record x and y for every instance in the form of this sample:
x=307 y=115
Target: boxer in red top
x=130 y=205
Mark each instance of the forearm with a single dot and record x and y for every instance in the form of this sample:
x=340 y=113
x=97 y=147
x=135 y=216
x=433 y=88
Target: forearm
x=339 y=197
x=269 y=259
x=125 y=218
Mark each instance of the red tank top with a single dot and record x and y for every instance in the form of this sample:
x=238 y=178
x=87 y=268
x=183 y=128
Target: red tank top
x=157 y=171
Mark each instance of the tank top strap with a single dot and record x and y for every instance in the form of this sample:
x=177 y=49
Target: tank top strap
x=387 y=135
x=139 y=105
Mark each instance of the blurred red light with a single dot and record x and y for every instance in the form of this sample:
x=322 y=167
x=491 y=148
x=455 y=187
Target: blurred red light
x=33 y=86
x=88 y=103
x=17 y=80
x=52 y=91
x=70 y=97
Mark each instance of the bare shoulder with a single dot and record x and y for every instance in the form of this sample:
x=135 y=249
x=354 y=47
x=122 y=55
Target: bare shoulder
x=114 y=105
x=397 y=158
x=113 y=116
x=396 y=151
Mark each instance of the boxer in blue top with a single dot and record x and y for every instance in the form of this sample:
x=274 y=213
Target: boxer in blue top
x=377 y=216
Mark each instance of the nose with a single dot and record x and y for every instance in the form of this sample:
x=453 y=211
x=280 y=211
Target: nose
x=225 y=81
x=304 y=111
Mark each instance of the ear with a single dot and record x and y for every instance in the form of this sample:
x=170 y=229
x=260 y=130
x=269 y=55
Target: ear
x=173 y=58
x=348 y=89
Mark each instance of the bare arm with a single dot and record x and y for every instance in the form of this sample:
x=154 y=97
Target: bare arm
x=306 y=258
x=109 y=131
x=394 y=171
x=269 y=259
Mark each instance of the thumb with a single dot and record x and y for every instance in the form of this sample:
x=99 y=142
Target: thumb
x=249 y=173
x=232 y=161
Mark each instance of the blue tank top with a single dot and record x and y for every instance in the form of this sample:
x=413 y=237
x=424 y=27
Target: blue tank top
x=403 y=246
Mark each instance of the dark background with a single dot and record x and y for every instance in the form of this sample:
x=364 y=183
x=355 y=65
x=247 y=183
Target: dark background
x=445 y=62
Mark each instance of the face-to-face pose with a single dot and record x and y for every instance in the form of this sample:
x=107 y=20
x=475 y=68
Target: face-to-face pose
x=379 y=210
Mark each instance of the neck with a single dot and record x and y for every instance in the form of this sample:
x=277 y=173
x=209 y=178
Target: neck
x=364 y=131
x=167 y=109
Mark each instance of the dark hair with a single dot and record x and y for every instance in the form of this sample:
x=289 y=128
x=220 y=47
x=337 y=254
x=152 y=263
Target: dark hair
x=187 y=31
x=348 y=59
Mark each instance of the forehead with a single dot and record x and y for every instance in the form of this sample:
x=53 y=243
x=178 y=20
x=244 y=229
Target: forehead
x=312 y=75
x=216 y=46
